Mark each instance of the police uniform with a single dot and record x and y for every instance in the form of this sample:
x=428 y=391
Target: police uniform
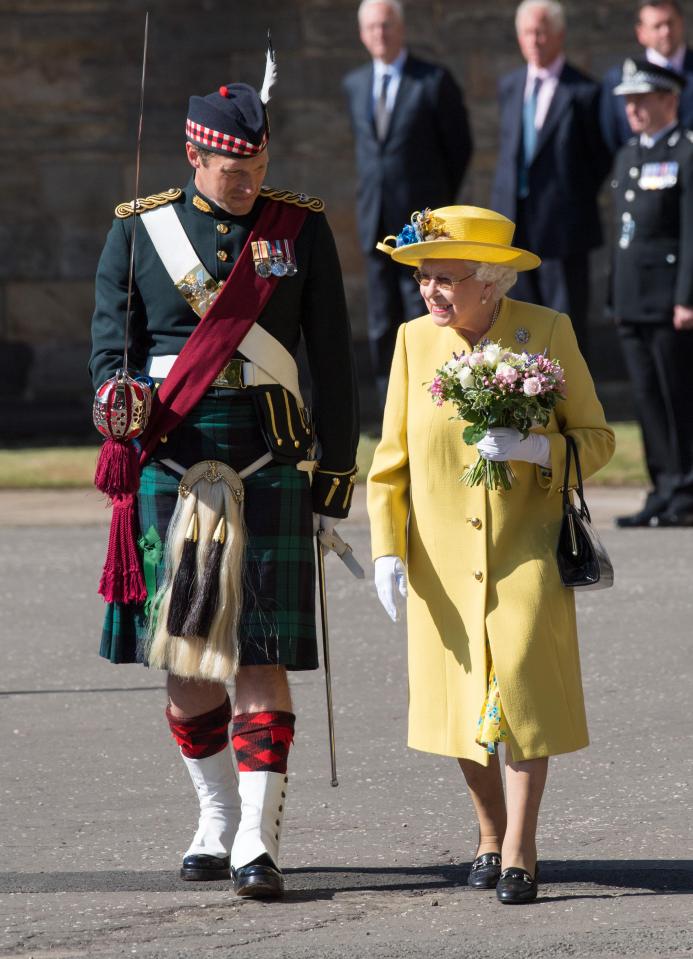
x=237 y=423
x=653 y=272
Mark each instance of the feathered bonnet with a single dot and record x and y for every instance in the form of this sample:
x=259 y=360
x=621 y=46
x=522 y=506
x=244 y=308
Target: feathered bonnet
x=233 y=120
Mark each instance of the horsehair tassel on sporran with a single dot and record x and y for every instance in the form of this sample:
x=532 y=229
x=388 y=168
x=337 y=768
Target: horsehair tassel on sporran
x=121 y=409
x=206 y=600
x=183 y=584
x=207 y=647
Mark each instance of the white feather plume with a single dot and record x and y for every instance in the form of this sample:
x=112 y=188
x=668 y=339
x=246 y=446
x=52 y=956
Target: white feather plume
x=270 y=75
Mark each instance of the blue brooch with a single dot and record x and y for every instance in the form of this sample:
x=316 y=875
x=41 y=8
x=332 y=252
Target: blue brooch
x=522 y=334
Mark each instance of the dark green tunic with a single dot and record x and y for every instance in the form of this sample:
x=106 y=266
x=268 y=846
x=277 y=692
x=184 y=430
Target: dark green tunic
x=279 y=624
x=310 y=304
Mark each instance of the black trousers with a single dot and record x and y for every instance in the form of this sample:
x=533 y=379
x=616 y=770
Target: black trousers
x=393 y=298
x=659 y=360
x=562 y=284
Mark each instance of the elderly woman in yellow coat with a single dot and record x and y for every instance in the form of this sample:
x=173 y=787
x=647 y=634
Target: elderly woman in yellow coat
x=493 y=649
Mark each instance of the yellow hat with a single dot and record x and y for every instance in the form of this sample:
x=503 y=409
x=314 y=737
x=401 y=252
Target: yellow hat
x=459 y=233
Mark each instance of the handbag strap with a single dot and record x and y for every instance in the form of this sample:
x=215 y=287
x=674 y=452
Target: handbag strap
x=572 y=451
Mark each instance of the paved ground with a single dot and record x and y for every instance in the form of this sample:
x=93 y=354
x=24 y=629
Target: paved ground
x=96 y=809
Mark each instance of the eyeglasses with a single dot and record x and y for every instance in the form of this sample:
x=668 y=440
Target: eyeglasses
x=446 y=283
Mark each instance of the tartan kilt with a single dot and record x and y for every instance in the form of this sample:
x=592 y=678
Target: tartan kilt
x=277 y=622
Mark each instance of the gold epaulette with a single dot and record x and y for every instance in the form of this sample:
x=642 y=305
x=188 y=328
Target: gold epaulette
x=312 y=203
x=124 y=210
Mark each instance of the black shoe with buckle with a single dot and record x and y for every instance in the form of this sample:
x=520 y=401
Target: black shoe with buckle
x=260 y=879
x=203 y=868
x=485 y=871
x=517 y=886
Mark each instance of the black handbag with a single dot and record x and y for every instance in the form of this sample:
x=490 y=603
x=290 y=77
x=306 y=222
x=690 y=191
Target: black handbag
x=583 y=562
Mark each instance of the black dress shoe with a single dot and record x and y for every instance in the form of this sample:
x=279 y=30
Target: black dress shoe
x=203 y=868
x=485 y=871
x=260 y=879
x=516 y=886
x=645 y=517
x=670 y=519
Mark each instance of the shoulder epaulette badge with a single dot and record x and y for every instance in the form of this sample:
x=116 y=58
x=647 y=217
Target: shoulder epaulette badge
x=124 y=210
x=312 y=203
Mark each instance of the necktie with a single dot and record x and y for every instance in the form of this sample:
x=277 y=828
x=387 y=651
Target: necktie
x=382 y=114
x=529 y=137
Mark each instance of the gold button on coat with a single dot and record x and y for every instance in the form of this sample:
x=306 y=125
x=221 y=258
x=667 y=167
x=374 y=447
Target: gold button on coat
x=478 y=575
x=474 y=522
x=222 y=228
x=222 y=255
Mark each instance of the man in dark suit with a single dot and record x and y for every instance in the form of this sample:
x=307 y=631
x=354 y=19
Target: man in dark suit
x=413 y=145
x=652 y=285
x=551 y=163
x=660 y=30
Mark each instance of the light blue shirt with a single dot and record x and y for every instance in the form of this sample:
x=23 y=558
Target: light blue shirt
x=649 y=140
x=395 y=71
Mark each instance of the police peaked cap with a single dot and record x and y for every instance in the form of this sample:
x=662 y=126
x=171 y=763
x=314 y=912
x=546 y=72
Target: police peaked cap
x=232 y=121
x=641 y=76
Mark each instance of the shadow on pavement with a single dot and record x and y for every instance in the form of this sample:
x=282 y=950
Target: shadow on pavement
x=314 y=883
x=85 y=690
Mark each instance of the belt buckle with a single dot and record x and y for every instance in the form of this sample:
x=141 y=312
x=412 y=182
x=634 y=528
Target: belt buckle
x=231 y=376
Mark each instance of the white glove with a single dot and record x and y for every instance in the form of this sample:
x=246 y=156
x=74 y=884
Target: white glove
x=325 y=523
x=503 y=443
x=390 y=578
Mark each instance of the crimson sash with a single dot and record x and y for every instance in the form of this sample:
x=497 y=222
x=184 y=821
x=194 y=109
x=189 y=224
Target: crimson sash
x=211 y=345
x=215 y=339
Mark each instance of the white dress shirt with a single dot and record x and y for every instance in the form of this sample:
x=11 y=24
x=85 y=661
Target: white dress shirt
x=549 y=81
x=675 y=61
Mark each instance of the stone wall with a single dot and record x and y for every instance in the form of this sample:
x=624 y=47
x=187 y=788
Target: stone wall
x=69 y=78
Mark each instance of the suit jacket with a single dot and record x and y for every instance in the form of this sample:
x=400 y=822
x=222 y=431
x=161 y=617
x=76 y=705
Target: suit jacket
x=653 y=251
x=612 y=109
x=424 y=156
x=570 y=161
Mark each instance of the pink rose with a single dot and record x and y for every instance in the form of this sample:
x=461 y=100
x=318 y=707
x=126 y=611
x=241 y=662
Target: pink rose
x=531 y=386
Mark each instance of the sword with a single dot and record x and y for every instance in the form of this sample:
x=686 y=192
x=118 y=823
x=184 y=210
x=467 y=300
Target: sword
x=326 y=655
x=334 y=542
x=138 y=154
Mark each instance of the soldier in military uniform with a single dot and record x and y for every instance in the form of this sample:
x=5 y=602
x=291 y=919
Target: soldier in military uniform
x=652 y=285
x=240 y=418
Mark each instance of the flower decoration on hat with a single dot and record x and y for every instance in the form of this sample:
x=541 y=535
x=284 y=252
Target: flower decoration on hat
x=424 y=226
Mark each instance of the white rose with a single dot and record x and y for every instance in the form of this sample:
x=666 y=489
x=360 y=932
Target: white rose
x=507 y=372
x=492 y=354
x=465 y=377
x=476 y=359
x=531 y=386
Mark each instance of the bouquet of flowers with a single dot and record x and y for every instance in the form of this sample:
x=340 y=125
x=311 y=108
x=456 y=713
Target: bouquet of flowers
x=494 y=387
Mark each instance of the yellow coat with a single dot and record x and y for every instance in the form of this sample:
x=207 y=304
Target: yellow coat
x=483 y=563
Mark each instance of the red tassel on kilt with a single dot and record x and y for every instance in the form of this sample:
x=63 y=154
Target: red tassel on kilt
x=122 y=580
x=117 y=468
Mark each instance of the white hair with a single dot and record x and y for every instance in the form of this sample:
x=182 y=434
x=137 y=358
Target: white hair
x=502 y=277
x=554 y=12
x=394 y=5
